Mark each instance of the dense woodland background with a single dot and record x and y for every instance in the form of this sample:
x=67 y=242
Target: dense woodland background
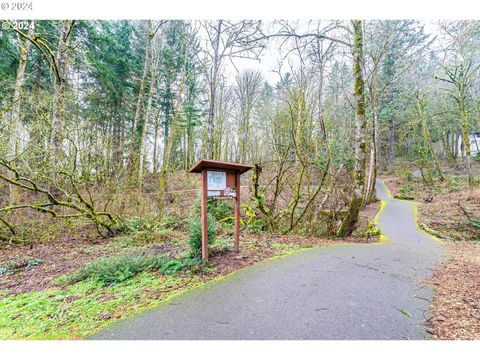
x=101 y=120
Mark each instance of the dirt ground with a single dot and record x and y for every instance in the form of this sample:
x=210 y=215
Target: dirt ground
x=392 y=183
x=455 y=310
x=58 y=257
x=68 y=254
x=446 y=214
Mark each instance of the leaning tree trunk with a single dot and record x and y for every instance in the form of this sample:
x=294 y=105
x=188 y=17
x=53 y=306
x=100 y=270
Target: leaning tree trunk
x=351 y=217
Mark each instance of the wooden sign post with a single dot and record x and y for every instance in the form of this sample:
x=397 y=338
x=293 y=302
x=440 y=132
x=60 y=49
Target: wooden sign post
x=219 y=180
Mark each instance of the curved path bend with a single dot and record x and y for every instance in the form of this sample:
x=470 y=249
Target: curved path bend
x=351 y=291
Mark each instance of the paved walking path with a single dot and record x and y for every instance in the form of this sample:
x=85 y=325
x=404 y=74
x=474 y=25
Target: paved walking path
x=359 y=291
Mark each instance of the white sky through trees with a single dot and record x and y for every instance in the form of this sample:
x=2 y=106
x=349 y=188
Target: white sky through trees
x=277 y=48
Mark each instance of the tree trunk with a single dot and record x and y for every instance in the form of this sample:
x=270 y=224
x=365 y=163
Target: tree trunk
x=372 y=164
x=142 y=124
x=134 y=162
x=351 y=217
x=466 y=144
x=14 y=135
x=243 y=138
x=213 y=90
x=448 y=148
x=169 y=146
x=391 y=143
x=117 y=162
x=60 y=88
x=455 y=139
x=422 y=113
x=190 y=147
x=156 y=132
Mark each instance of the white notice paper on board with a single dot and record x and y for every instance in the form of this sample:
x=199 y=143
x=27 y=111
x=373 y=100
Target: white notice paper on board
x=216 y=180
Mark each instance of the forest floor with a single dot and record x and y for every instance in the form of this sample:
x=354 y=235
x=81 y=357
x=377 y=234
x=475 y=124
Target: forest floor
x=37 y=303
x=450 y=211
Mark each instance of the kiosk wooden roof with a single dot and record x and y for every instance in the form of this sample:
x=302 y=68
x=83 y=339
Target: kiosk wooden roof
x=219 y=165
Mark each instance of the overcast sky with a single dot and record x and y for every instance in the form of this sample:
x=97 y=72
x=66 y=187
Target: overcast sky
x=272 y=54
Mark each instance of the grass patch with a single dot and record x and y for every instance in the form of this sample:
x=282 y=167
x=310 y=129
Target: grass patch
x=283 y=248
x=223 y=244
x=404 y=197
x=84 y=308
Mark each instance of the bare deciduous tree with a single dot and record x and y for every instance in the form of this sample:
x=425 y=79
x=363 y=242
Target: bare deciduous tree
x=226 y=40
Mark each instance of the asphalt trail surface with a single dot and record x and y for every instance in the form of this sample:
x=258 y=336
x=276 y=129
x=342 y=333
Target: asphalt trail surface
x=352 y=291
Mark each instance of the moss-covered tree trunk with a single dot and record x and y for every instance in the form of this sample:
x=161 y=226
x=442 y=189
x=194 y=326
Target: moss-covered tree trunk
x=372 y=162
x=427 y=151
x=351 y=217
x=466 y=143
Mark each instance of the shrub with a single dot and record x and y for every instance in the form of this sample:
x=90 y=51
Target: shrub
x=254 y=223
x=19 y=264
x=222 y=244
x=405 y=192
x=221 y=210
x=136 y=224
x=175 y=266
x=146 y=229
x=195 y=234
x=404 y=197
x=115 y=269
x=453 y=184
x=404 y=172
x=372 y=231
x=171 y=222
x=257 y=226
x=147 y=224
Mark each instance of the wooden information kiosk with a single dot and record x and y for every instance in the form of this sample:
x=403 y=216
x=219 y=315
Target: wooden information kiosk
x=219 y=180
